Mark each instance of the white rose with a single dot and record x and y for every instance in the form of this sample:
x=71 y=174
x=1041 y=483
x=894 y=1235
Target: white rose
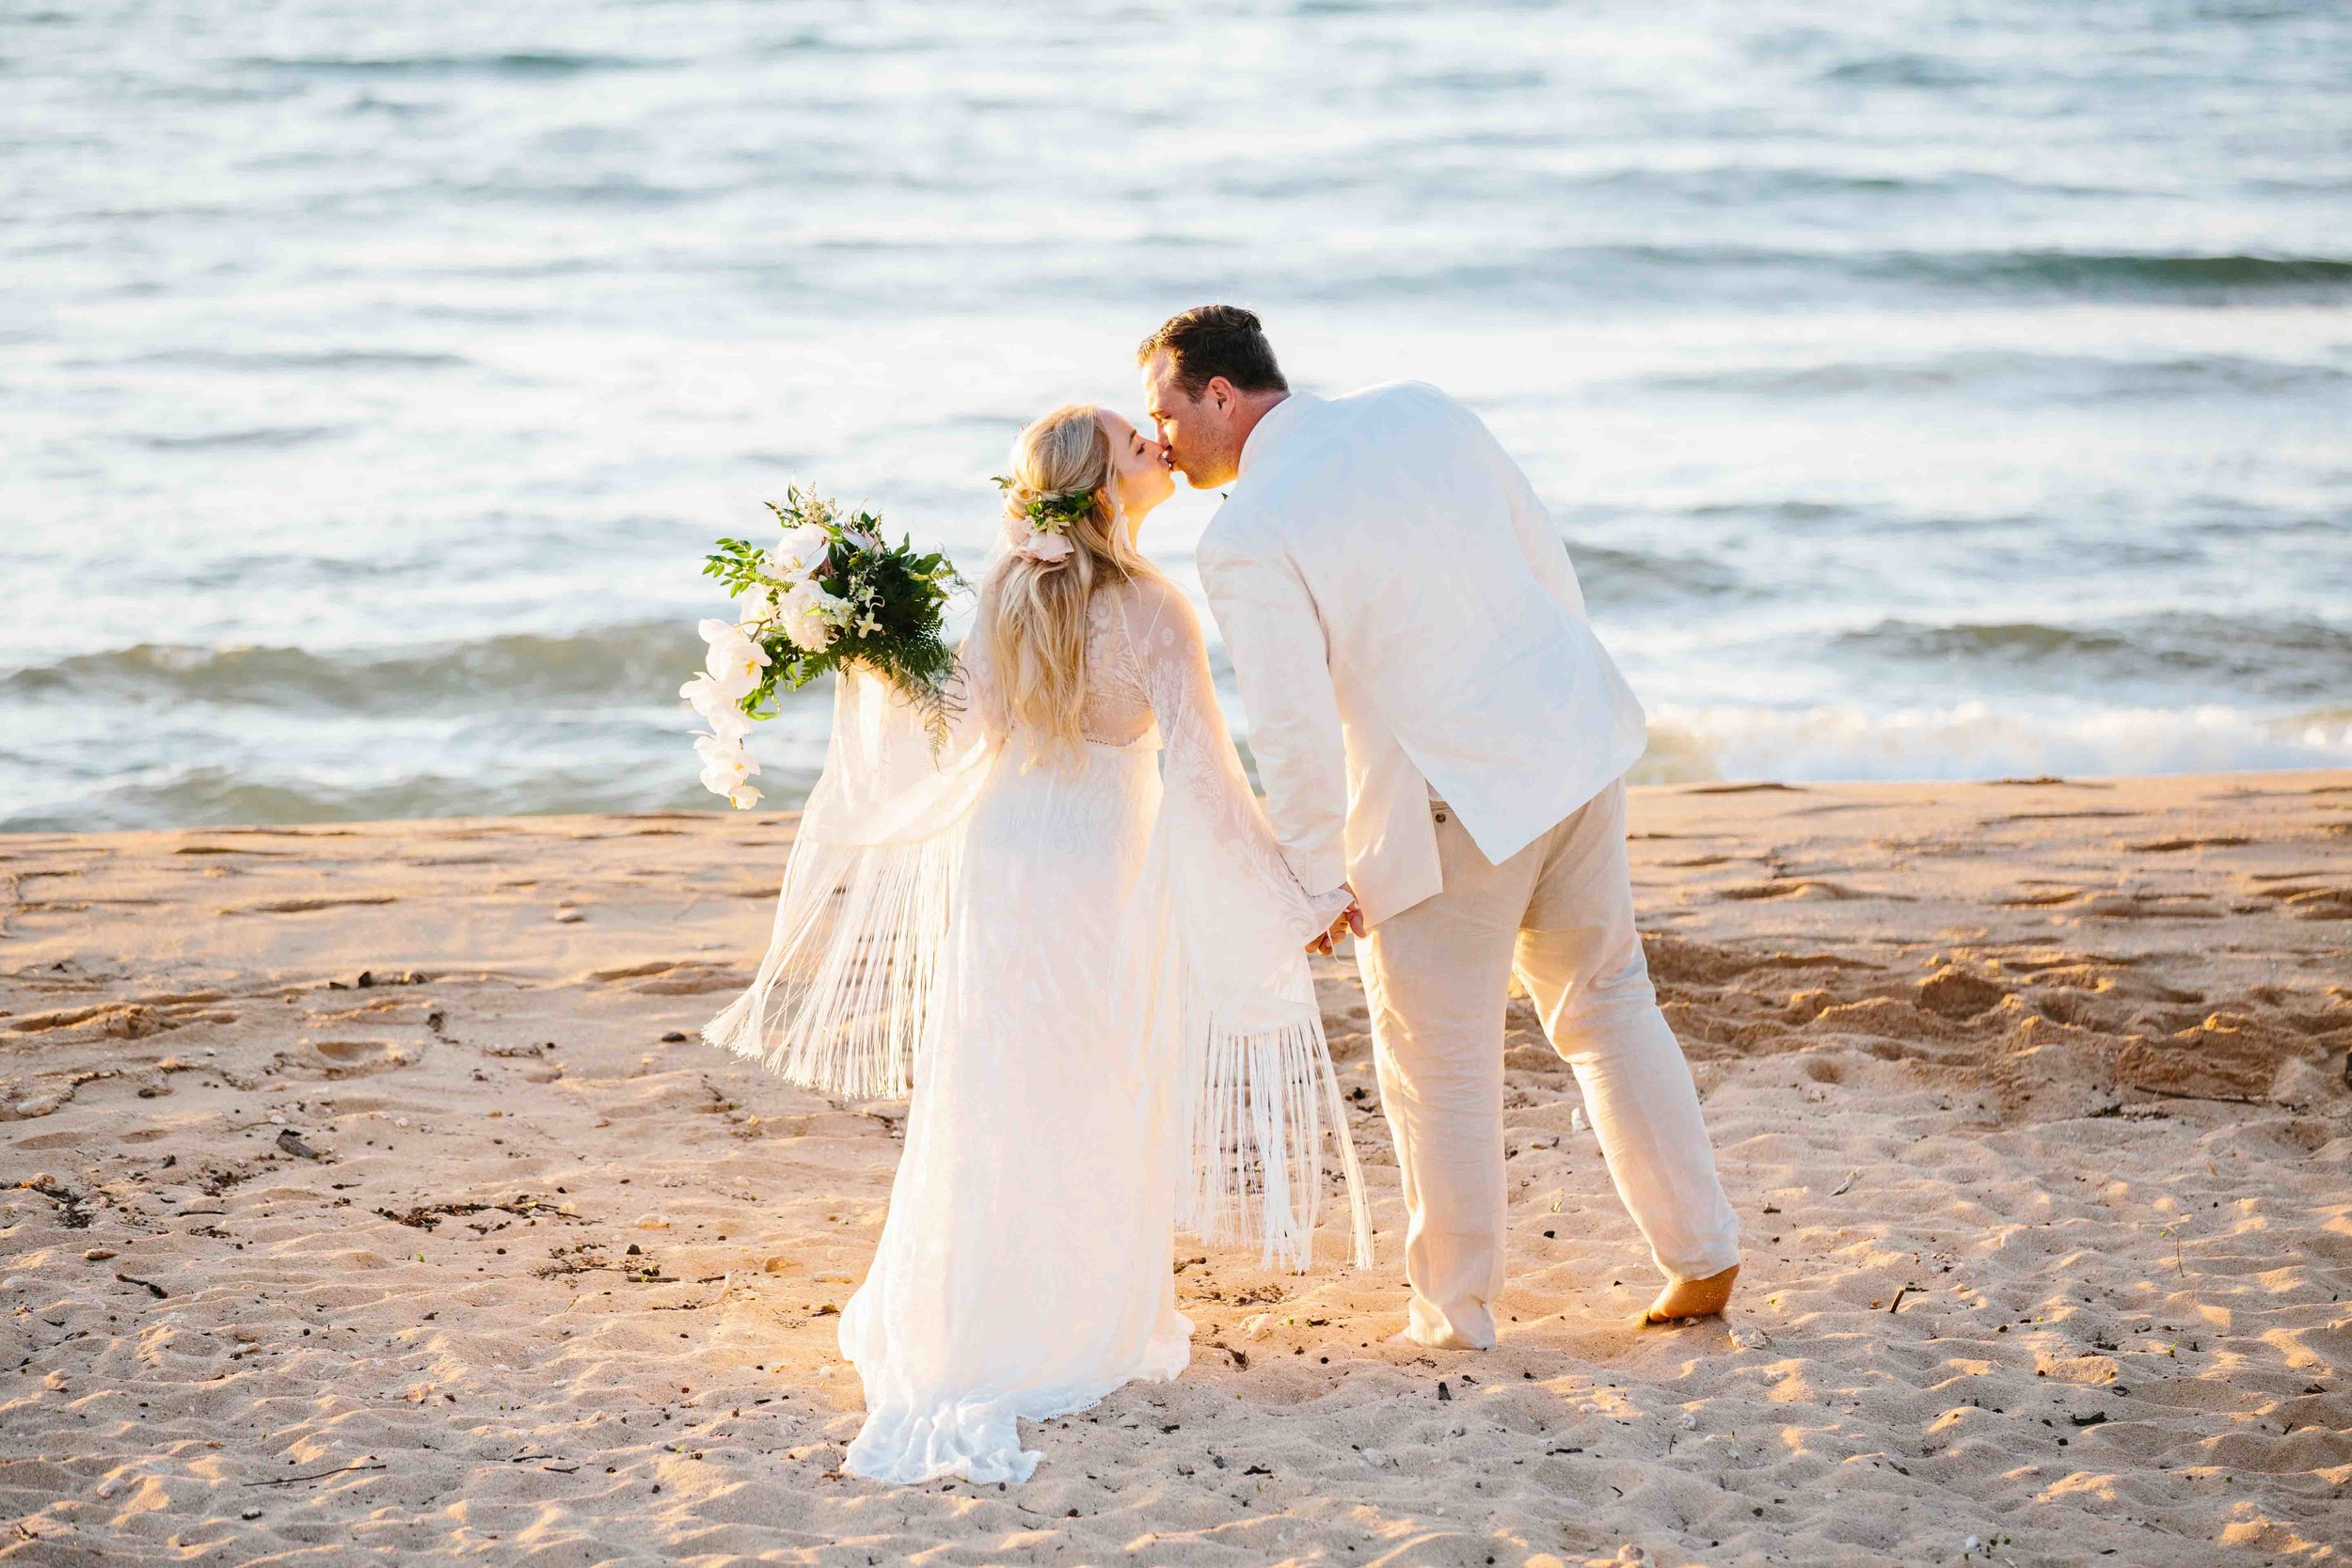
x=734 y=663
x=801 y=554
x=764 y=605
x=811 y=617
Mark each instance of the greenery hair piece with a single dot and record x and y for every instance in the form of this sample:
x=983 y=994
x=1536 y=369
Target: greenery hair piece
x=1050 y=513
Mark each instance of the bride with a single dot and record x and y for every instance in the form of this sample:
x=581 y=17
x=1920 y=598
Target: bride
x=1067 y=929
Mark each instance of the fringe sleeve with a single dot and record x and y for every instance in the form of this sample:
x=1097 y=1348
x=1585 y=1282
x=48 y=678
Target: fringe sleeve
x=1258 y=1098
x=1256 y=1094
x=852 y=971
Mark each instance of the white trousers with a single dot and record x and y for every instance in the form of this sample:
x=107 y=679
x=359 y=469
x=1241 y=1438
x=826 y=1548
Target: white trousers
x=1560 y=914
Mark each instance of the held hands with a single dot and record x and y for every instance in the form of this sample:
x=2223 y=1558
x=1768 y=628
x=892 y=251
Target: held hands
x=1350 y=919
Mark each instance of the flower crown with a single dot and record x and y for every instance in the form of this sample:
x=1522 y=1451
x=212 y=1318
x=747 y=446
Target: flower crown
x=1050 y=513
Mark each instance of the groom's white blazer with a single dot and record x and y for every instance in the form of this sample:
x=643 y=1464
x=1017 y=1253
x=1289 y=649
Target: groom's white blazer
x=1405 y=622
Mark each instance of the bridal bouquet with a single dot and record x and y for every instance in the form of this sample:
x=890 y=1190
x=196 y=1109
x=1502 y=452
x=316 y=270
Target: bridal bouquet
x=829 y=596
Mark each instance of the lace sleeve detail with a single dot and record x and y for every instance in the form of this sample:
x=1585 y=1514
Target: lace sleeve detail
x=977 y=697
x=1257 y=1094
x=1201 y=772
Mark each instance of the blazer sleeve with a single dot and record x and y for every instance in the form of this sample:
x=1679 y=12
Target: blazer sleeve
x=1282 y=661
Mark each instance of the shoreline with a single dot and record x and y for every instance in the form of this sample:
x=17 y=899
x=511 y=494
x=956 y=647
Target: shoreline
x=2031 y=1097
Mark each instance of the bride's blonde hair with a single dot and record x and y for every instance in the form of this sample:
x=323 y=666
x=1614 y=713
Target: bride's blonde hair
x=1033 y=612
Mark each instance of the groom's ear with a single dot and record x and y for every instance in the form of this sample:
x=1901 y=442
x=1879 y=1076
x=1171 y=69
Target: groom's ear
x=1219 y=393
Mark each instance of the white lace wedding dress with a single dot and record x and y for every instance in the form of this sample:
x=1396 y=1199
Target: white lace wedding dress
x=1090 y=975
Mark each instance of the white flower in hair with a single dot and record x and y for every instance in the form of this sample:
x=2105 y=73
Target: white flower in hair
x=1037 y=529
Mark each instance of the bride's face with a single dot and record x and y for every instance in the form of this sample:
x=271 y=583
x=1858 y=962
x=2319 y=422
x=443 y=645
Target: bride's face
x=1140 y=475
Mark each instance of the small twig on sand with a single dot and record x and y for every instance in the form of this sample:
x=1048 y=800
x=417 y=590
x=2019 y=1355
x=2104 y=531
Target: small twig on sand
x=2216 y=1099
x=149 y=1286
x=322 y=1475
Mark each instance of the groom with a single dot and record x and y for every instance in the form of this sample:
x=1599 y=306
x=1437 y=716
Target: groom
x=1437 y=727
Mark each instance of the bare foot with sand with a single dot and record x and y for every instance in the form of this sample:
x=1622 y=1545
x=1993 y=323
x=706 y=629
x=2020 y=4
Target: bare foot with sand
x=1691 y=1298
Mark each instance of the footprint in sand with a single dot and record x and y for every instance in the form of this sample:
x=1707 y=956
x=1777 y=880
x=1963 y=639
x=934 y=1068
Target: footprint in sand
x=2204 y=1062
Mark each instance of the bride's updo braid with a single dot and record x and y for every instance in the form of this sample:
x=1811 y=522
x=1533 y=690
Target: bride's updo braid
x=1033 y=608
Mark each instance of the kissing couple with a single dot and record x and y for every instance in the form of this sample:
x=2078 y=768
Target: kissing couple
x=1072 y=932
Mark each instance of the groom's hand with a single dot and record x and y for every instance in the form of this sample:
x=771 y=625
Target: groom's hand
x=1350 y=919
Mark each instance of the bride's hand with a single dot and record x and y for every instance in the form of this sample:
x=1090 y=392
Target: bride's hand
x=1347 y=920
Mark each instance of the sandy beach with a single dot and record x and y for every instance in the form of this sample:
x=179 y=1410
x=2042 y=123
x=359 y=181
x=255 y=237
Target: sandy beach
x=364 y=1197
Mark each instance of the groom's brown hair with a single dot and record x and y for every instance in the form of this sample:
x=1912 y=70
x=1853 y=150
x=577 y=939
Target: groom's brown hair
x=1210 y=340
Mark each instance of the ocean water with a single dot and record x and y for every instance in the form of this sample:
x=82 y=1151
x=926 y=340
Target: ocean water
x=1926 y=390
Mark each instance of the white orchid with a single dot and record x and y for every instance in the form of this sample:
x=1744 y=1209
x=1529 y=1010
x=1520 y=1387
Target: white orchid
x=730 y=723
x=725 y=754
x=726 y=764
x=734 y=661
x=812 y=617
x=723 y=713
x=720 y=780
x=743 y=797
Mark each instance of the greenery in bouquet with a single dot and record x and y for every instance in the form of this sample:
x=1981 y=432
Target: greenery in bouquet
x=830 y=594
